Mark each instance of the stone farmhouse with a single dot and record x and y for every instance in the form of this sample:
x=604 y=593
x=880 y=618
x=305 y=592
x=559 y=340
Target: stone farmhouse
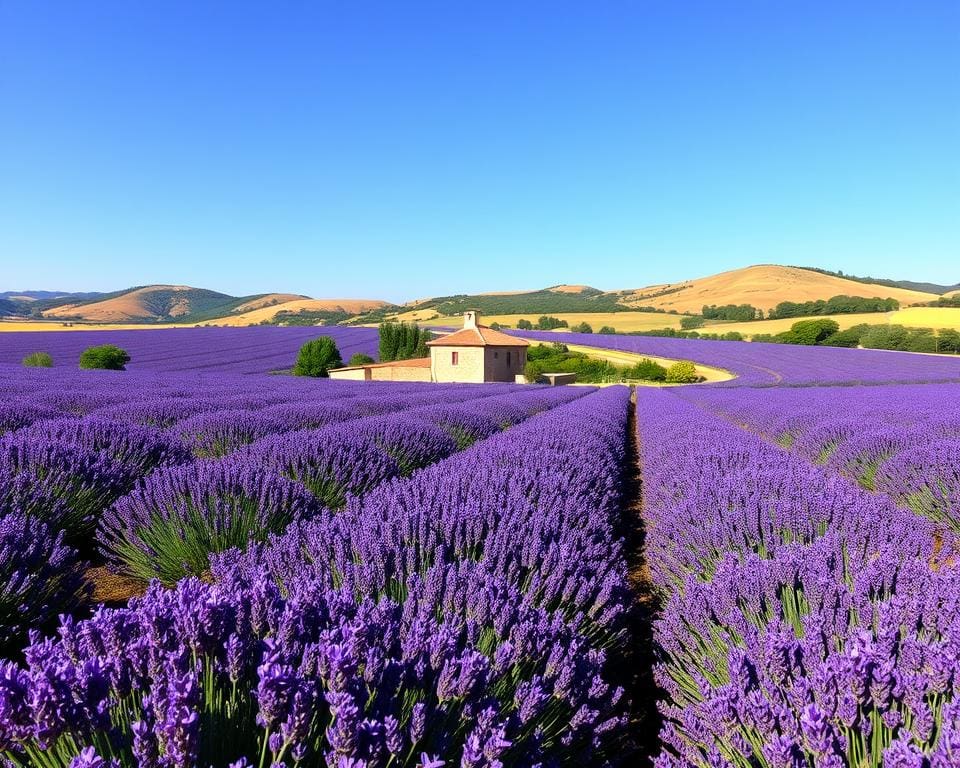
x=474 y=354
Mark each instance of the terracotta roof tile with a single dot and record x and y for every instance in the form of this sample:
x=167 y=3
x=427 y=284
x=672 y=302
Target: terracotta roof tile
x=481 y=336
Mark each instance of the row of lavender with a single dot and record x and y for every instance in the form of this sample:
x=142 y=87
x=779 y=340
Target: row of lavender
x=903 y=441
x=84 y=476
x=260 y=349
x=766 y=365
x=460 y=616
x=806 y=622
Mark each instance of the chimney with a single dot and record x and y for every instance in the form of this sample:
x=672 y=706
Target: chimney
x=470 y=318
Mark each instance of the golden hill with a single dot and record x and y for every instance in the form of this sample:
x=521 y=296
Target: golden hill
x=149 y=303
x=764 y=286
x=254 y=316
x=268 y=300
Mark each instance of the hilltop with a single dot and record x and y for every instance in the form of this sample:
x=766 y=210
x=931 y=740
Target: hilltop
x=764 y=286
x=654 y=306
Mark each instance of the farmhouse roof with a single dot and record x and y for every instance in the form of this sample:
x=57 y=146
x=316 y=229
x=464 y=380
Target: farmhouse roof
x=479 y=336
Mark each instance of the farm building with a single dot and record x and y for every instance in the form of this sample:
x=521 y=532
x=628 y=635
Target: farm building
x=477 y=354
x=474 y=354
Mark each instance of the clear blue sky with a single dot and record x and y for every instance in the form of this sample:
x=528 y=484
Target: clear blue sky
x=400 y=149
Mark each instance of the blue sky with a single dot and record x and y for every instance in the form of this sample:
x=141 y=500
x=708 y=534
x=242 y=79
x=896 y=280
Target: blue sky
x=401 y=149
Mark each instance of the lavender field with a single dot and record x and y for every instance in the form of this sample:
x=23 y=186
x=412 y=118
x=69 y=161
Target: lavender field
x=235 y=350
x=208 y=566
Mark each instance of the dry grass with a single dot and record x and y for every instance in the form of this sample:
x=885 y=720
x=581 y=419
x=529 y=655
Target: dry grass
x=350 y=306
x=765 y=286
x=622 y=321
x=109 y=587
x=130 y=306
x=915 y=317
x=271 y=299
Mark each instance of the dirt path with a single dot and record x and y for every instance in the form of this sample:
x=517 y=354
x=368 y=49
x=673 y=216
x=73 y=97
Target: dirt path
x=637 y=665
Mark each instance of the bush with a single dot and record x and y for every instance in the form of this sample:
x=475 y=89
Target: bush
x=108 y=357
x=689 y=323
x=38 y=360
x=548 y=323
x=647 y=370
x=582 y=328
x=40 y=578
x=682 y=372
x=169 y=525
x=361 y=359
x=607 y=330
x=810 y=332
x=524 y=325
x=317 y=357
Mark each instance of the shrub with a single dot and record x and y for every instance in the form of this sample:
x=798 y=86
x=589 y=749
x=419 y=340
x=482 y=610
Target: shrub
x=361 y=359
x=524 y=325
x=38 y=360
x=810 y=332
x=40 y=578
x=317 y=357
x=65 y=485
x=168 y=526
x=607 y=330
x=689 y=323
x=331 y=463
x=682 y=372
x=647 y=370
x=106 y=357
x=582 y=328
x=548 y=323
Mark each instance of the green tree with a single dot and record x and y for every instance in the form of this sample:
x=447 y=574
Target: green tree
x=582 y=328
x=402 y=341
x=810 y=332
x=607 y=330
x=524 y=325
x=689 y=323
x=646 y=370
x=361 y=359
x=682 y=372
x=38 y=360
x=106 y=356
x=317 y=357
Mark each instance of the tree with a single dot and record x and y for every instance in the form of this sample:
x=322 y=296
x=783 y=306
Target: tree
x=810 y=332
x=361 y=359
x=38 y=360
x=317 y=357
x=582 y=328
x=689 y=323
x=682 y=372
x=106 y=356
x=403 y=341
x=524 y=325
x=607 y=330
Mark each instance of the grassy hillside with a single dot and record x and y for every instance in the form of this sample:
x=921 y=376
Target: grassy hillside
x=910 y=285
x=622 y=322
x=913 y=317
x=763 y=286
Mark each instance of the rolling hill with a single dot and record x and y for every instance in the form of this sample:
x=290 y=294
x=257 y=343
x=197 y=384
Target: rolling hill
x=764 y=286
x=152 y=303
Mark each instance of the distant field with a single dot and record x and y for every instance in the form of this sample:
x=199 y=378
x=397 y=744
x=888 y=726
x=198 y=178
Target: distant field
x=916 y=317
x=620 y=357
x=621 y=321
